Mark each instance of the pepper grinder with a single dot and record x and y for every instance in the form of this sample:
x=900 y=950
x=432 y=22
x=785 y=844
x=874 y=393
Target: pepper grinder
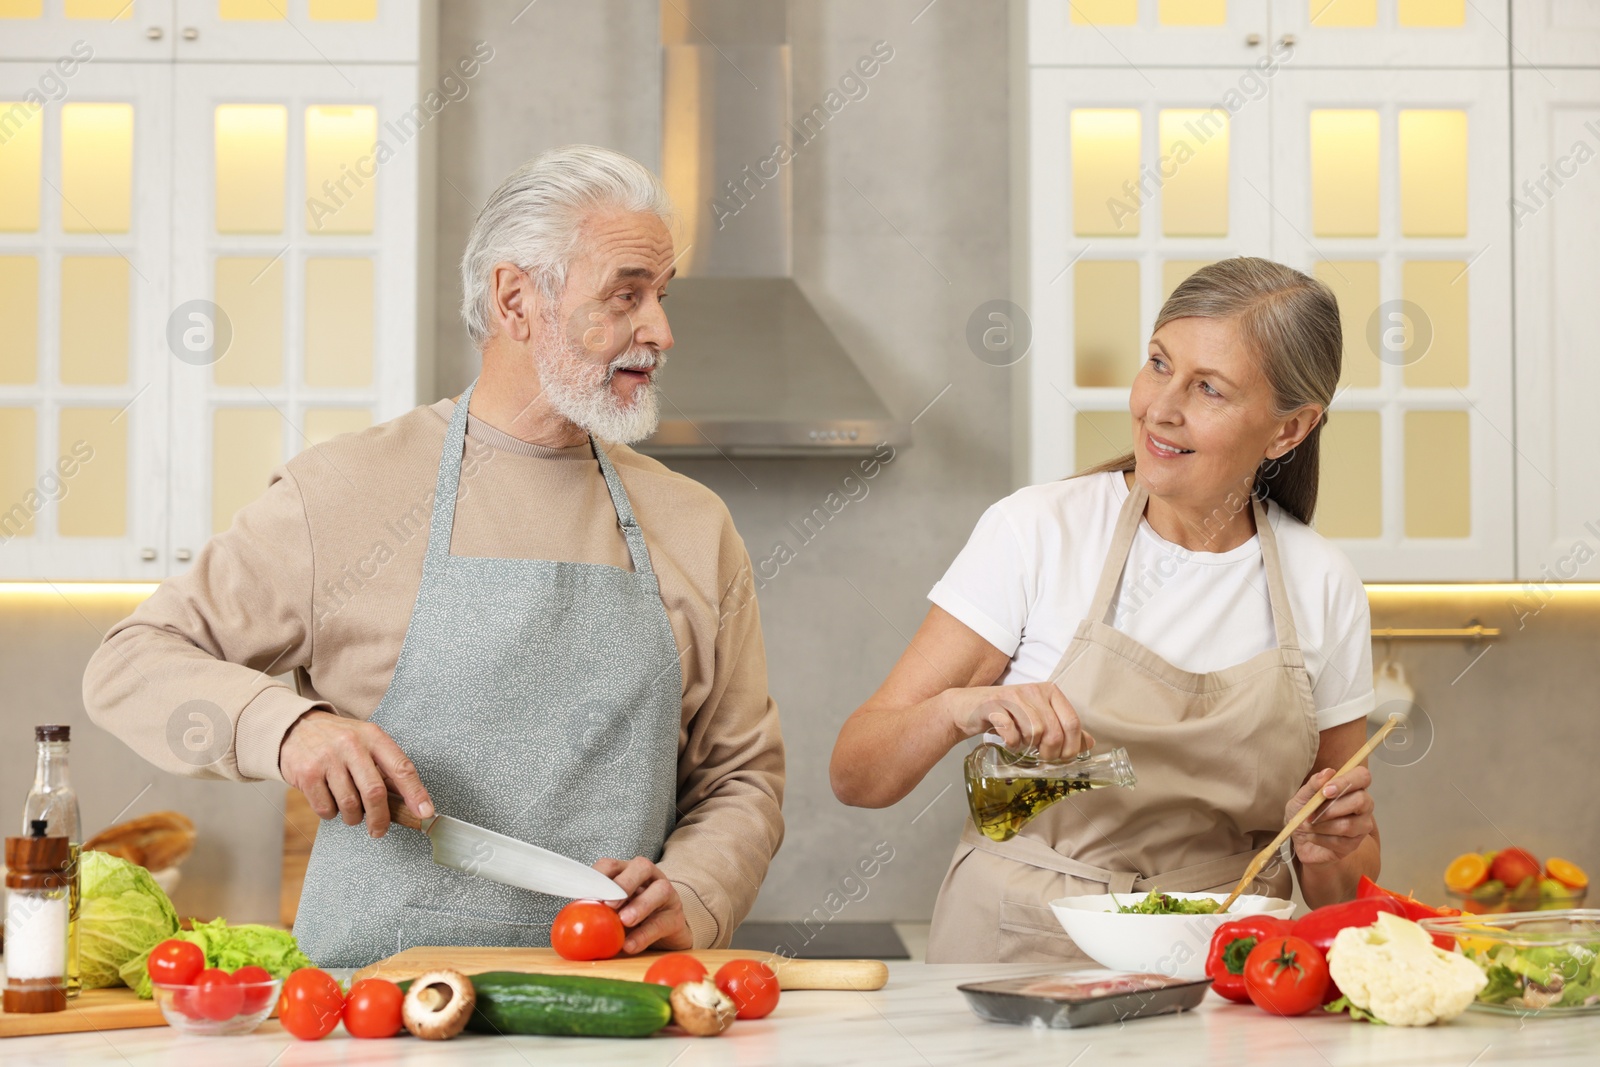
x=37 y=905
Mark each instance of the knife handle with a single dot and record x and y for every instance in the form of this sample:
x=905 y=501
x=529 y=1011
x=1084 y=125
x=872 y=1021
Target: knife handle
x=398 y=812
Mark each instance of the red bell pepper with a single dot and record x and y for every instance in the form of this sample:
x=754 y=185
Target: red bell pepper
x=1231 y=944
x=1321 y=926
x=1415 y=910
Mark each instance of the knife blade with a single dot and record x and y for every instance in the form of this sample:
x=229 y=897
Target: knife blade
x=503 y=859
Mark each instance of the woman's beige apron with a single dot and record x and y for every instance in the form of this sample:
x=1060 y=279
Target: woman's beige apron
x=1217 y=756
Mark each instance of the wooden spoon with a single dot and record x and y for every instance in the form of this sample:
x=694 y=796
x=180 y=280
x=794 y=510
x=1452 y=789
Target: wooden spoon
x=1306 y=812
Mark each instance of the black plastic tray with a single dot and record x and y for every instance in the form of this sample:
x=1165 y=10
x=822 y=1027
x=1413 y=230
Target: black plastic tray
x=1082 y=999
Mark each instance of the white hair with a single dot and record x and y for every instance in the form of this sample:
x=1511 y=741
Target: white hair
x=533 y=220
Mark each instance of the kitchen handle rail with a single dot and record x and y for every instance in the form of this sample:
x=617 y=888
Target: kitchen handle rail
x=1475 y=632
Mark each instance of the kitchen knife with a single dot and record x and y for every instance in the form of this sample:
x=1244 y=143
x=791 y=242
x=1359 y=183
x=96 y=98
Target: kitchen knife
x=504 y=859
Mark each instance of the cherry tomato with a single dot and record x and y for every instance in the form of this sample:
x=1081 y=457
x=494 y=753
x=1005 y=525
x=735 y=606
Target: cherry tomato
x=587 y=930
x=373 y=1008
x=752 y=985
x=217 y=995
x=175 y=962
x=674 y=969
x=1286 y=975
x=311 y=1004
x=253 y=983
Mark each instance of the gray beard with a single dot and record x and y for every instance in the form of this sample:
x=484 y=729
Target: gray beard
x=580 y=392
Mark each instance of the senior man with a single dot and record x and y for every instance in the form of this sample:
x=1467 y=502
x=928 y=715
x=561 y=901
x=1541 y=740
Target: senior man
x=493 y=607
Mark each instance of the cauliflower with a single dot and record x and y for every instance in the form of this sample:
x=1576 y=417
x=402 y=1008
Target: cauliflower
x=1395 y=971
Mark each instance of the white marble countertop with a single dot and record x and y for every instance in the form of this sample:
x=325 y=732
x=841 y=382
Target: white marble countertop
x=917 y=1019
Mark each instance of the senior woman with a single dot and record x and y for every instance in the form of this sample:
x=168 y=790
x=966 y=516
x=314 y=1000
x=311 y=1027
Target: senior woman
x=1174 y=601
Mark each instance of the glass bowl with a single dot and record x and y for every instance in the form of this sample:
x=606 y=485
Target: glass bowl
x=1537 y=962
x=1494 y=898
x=181 y=1007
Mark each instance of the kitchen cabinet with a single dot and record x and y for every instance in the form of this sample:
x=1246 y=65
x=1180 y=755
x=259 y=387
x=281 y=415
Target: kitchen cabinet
x=1392 y=189
x=215 y=266
x=1547 y=33
x=1556 y=184
x=1391 y=186
x=327 y=32
x=85 y=236
x=1135 y=34
x=250 y=31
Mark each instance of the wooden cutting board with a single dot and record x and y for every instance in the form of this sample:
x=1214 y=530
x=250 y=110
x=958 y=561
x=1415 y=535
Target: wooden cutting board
x=792 y=973
x=93 y=1009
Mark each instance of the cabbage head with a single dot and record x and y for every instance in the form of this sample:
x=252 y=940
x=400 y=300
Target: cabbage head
x=122 y=914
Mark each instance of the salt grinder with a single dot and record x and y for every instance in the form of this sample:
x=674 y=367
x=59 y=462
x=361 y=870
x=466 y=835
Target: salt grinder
x=38 y=881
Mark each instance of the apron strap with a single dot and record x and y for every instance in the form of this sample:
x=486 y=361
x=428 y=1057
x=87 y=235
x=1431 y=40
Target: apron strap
x=449 y=482
x=1277 y=591
x=1128 y=520
x=624 y=506
x=1197 y=877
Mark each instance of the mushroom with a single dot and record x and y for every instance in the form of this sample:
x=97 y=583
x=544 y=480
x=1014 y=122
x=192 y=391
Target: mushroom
x=438 y=1005
x=702 y=1009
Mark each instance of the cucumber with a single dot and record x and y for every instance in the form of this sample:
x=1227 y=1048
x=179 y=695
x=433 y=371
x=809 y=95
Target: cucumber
x=566 y=1005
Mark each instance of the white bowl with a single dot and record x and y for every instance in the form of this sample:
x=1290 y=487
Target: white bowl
x=1173 y=945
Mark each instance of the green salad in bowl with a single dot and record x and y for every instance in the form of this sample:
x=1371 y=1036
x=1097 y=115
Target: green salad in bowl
x=1158 y=903
x=1537 y=962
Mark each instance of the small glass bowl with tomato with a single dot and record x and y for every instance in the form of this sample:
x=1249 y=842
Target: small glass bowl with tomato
x=218 y=1004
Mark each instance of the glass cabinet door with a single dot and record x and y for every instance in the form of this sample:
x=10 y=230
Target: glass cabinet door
x=295 y=263
x=1393 y=190
x=59 y=35
x=1401 y=33
x=1136 y=179
x=299 y=31
x=1135 y=33
x=84 y=232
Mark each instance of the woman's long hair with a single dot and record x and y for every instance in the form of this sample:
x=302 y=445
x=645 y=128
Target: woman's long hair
x=1291 y=322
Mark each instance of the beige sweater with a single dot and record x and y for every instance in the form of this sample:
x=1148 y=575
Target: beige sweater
x=318 y=576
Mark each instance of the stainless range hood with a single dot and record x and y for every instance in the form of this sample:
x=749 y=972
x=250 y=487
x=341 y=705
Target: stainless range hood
x=754 y=370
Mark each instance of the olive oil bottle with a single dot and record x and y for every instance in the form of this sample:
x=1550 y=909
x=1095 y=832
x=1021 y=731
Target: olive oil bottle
x=1005 y=790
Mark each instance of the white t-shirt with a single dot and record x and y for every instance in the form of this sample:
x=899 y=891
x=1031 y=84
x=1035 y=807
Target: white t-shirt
x=1027 y=577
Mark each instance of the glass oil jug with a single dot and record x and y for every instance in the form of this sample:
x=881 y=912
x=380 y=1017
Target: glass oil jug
x=1005 y=789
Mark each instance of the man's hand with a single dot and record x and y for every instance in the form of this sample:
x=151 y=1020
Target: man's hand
x=652 y=913
x=346 y=767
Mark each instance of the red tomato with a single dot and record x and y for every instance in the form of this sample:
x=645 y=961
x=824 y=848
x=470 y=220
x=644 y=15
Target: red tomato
x=586 y=930
x=253 y=982
x=186 y=999
x=674 y=969
x=1286 y=975
x=175 y=962
x=373 y=1008
x=752 y=985
x=217 y=995
x=311 y=1004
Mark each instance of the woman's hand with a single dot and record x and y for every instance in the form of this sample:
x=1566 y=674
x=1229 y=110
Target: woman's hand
x=1340 y=826
x=1034 y=717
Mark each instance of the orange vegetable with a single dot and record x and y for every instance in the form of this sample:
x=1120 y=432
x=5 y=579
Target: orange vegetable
x=1466 y=872
x=1566 y=872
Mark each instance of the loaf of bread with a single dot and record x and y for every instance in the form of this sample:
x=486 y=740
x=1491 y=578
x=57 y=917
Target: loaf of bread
x=157 y=841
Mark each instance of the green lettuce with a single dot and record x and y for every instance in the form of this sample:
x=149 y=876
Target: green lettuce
x=122 y=914
x=1343 y=1005
x=230 y=947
